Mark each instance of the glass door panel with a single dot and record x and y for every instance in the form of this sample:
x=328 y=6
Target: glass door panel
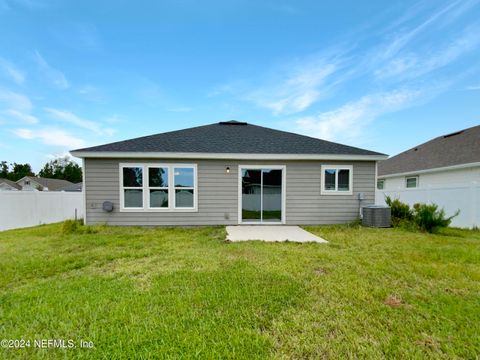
x=251 y=195
x=271 y=195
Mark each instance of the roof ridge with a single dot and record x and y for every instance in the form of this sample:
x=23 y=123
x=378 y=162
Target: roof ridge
x=218 y=138
x=440 y=137
x=312 y=137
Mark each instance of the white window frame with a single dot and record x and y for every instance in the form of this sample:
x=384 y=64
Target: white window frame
x=383 y=182
x=323 y=191
x=146 y=188
x=123 y=188
x=175 y=188
x=417 y=179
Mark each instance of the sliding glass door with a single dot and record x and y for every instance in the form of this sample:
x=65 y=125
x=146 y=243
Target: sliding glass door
x=261 y=200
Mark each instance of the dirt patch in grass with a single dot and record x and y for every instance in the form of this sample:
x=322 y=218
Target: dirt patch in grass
x=320 y=271
x=394 y=301
x=456 y=291
x=428 y=342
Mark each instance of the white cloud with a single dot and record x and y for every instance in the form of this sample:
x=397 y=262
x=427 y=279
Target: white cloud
x=473 y=87
x=405 y=57
x=62 y=155
x=11 y=71
x=91 y=93
x=50 y=136
x=16 y=107
x=113 y=119
x=349 y=121
x=448 y=13
x=109 y=131
x=302 y=86
x=13 y=100
x=56 y=77
x=21 y=116
x=413 y=65
x=71 y=118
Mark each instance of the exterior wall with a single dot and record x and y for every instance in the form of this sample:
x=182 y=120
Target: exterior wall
x=218 y=193
x=436 y=179
x=453 y=190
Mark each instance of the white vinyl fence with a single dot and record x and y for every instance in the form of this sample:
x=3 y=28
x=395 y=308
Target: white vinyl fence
x=465 y=198
x=29 y=208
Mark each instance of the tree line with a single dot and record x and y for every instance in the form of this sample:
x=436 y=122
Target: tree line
x=61 y=168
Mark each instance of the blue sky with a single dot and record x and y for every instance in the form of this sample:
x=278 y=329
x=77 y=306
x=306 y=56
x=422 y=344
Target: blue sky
x=375 y=74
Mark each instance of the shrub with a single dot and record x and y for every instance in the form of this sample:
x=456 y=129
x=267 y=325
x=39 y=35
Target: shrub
x=77 y=227
x=425 y=217
x=429 y=218
x=401 y=212
x=70 y=226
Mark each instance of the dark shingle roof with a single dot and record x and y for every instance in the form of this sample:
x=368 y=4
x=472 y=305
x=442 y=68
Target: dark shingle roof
x=72 y=188
x=11 y=183
x=461 y=147
x=230 y=137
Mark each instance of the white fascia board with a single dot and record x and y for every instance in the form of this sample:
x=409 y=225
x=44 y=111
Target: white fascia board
x=434 y=170
x=186 y=155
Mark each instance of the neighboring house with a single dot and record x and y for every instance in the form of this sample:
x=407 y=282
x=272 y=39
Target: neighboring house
x=226 y=173
x=72 y=188
x=33 y=183
x=9 y=185
x=445 y=171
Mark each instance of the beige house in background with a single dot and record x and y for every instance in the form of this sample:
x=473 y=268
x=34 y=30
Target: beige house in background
x=32 y=183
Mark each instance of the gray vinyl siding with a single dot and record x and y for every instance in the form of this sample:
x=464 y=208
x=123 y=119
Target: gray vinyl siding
x=218 y=193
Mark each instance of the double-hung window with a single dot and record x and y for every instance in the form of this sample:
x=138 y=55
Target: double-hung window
x=337 y=180
x=158 y=187
x=132 y=180
x=184 y=187
x=381 y=184
x=411 y=182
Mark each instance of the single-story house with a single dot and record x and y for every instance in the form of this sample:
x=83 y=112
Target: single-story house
x=226 y=173
x=444 y=170
x=33 y=183
x=9 y=185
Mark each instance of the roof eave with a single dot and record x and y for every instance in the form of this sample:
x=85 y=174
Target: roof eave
x=229 y=156
x=432 y=170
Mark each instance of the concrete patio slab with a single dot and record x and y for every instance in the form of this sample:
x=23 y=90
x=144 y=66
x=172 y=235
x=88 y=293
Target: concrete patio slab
x=271 y=233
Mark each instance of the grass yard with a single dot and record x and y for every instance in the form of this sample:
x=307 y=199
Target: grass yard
x=169 y=293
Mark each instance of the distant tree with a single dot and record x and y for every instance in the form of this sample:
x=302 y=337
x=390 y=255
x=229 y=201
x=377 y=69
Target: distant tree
x=62 y=168
x=4 y=170
x=72 y=172
x=19 y=171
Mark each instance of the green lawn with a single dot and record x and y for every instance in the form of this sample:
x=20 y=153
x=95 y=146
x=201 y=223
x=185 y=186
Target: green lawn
x=169 y=293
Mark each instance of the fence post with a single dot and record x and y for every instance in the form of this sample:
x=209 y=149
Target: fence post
x=473 y=199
